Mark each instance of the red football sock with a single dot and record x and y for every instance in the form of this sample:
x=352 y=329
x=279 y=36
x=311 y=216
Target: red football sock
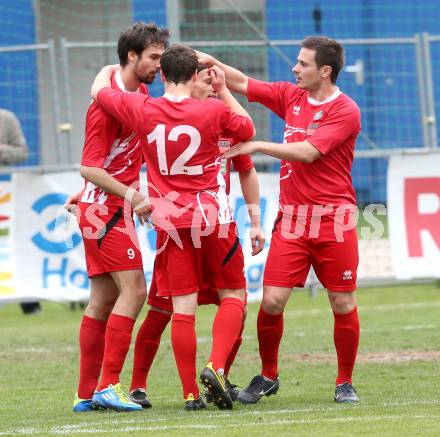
x=270 y=331
x=117 y=343
x=234 y=351
x=91 y=347
x=226 y=328
x=146 y=346
x=184 y=342
x=346 y=337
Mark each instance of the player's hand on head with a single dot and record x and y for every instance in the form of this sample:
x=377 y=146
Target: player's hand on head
x=205 y=59
x=107 y=71
x=103 y=79
x=218 y=80
x=257 y=239
x=113 y=67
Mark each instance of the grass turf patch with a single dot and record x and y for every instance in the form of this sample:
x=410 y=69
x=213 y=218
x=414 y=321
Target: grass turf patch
x=396 y=375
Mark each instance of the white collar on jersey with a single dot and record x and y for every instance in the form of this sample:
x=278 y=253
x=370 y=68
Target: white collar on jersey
x=315 y=102
x=175 y=98
x=120 y=83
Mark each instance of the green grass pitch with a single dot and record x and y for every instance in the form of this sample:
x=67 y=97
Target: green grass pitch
x=397 y=375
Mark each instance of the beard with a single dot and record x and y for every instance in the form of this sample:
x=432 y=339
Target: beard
x=148 y=79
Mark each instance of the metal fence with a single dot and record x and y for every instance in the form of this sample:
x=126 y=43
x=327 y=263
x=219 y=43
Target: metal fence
x=20 y=90
x=390 y=78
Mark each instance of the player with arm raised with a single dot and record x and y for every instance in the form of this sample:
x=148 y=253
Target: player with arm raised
x=110 y=165
x=316 y=195
x=190 y=207
x=161 y=309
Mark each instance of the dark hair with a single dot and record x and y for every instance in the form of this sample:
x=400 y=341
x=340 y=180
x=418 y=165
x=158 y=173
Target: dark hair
x=178 y=63
x=140 y=36
x=328 y=52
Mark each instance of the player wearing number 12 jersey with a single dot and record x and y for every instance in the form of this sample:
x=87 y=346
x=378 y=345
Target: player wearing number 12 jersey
x=190 y=206
x=161 y=308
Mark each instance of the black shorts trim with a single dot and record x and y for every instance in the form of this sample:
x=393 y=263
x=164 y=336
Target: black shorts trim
x=110 y=225
x=231 y=252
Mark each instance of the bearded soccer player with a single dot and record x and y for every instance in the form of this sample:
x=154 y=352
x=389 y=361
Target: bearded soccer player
x=161 y=309
x=315 y=223
x=190 y=207
x=110 y=165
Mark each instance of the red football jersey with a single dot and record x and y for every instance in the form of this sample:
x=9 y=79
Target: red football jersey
x=331 y=126
x=110 y=146
x=185 y=184
x=240 y=163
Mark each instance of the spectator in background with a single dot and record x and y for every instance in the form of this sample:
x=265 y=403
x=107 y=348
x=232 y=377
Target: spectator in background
x=13 y=147
x=13 y=150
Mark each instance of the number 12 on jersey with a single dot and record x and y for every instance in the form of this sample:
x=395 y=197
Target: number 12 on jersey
x=157 y=135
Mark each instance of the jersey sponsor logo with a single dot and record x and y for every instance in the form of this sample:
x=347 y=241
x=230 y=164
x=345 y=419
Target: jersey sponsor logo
x=312 y=127
x=318 y=116
x=347 y=275
x=296 y=110
x=224 y=143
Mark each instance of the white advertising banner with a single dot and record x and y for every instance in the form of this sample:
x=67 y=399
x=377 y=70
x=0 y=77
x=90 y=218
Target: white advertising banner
x=48 y=252
x=414 y=215
x=6 y=282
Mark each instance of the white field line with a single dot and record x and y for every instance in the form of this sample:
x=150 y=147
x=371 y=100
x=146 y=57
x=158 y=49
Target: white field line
x=345 y=419
x=90 y=426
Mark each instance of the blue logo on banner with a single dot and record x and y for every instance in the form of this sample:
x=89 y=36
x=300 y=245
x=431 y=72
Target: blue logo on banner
x=56 y=268
x=42 y=242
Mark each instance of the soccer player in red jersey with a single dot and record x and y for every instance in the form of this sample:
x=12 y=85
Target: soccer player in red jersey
x=110 y=165
x=161 y=309
x=190 y=207
x=315 y=225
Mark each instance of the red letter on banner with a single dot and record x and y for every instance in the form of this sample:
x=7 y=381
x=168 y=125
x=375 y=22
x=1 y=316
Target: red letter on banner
x=415 y=221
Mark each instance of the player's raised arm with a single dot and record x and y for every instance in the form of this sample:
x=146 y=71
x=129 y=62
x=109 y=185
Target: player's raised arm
x=125 y=107
x=219 y=84
x=236 y=80
x=103 y=79
x=301 y=151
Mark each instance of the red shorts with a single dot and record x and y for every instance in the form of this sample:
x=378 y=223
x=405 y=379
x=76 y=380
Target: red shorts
x=183 y=260
x=206 y=296
x=334 y=259
x=110 y=240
